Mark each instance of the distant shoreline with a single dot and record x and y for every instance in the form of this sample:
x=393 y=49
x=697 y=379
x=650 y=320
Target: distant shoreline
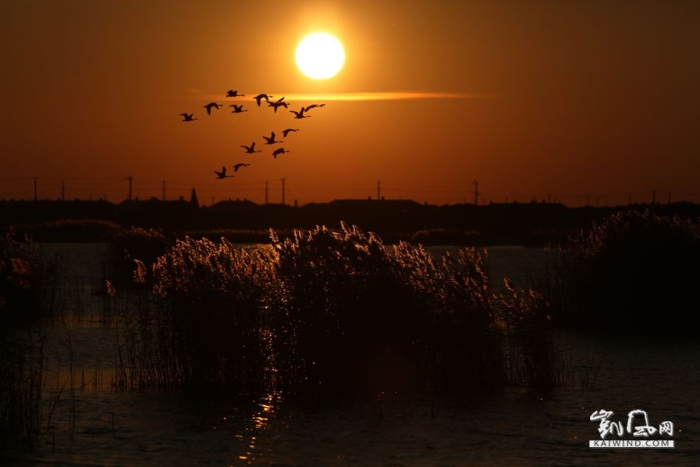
x=531 y=224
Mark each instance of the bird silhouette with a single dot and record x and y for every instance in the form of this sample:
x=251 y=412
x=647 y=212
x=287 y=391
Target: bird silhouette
x=288 y=130
x=239 y=165
x=232 y=93
x=277 y=104
x=210 y=105
x=237 y=108
x=222 y=174
x=250 y=149
x=312 y=106
x=271 y=139
x=279 y=151
x=299 y=114
x=259 y=97
x=188 y=117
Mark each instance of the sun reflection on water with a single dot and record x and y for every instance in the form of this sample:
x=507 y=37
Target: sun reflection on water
x=266 y=409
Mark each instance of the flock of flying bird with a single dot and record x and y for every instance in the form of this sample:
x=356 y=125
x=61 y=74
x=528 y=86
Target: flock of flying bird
x=269 y=140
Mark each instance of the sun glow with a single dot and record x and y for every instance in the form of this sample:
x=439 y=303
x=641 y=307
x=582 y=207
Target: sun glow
x=320 y=55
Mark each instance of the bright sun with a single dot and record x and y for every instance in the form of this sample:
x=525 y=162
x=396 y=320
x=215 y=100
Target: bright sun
x=320 y=55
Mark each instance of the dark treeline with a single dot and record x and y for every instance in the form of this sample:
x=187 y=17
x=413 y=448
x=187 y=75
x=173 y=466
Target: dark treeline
x=467 y=224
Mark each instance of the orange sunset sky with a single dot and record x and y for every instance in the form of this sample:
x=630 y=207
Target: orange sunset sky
x=574 y=101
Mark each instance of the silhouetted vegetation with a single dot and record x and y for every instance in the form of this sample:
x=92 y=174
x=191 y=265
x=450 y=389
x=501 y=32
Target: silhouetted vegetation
x=210 y=327
x=69 y=230
x=21 y=379
x=28 y=282
x=21 y=345
x=631 y=272
x=135 y=243
x=330 y=312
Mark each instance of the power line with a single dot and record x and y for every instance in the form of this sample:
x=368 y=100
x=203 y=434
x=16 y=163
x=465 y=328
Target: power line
x=53 y=187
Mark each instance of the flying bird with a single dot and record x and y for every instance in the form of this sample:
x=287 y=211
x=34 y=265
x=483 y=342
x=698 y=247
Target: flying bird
x=222 y=174
x=239 y=165
x=259 y=97
x=210 y=105
x=279 y=151
x=250 y=149
x=271 y=139
x=312 y=106
x=232 y=93
x=188 y=117
x=288 y=130
x=237 y=108
x=277 y=104
x=299 y=114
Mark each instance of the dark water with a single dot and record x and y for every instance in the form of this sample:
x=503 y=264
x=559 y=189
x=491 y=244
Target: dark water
x=515 y=427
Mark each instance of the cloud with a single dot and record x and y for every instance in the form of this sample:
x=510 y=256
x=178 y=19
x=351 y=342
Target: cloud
x=372 y=96
x=387 y=96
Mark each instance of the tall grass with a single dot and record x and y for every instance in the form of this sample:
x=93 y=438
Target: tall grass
x=21 y=345
x=349 y=319
x=332 y=312
x=21 y=380
x=132 y=243
x=209 y=321
x=631 y=272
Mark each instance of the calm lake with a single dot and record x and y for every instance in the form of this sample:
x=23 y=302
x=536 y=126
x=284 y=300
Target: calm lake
x=87 y=422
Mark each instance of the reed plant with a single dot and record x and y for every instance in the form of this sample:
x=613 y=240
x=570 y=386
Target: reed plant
x=21 y=380
x=631 y=272
x=216 y=297
x=327 y=312
x=21 y=345
x=348 y=320
x=128 y=244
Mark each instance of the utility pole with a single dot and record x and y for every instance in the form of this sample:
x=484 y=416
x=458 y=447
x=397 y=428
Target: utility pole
x=379 y=190
x=163 y=190
x=283 y=192
x=266 y=190
x=36 y=193
x=476 y=192
x=131 y=180
x=63 y=190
